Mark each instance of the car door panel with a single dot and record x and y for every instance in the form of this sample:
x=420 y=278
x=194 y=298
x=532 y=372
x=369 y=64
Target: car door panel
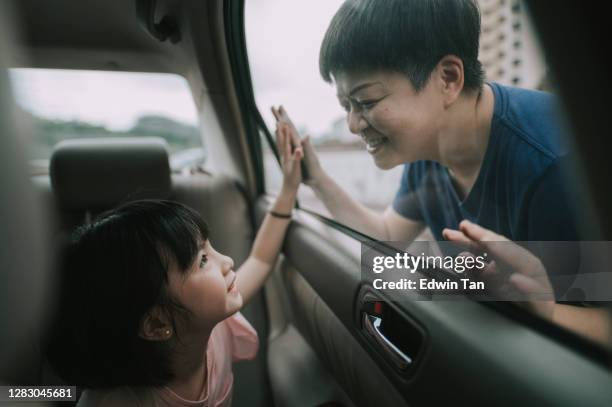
x=470 y=353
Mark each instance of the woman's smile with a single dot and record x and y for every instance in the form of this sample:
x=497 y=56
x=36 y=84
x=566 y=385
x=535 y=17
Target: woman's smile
x=375 y=143
x=398 y=123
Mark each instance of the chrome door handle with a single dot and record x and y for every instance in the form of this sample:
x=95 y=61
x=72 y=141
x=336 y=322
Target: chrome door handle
x=372 y=324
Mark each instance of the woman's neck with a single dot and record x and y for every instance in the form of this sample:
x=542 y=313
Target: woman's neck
x=189 y=366
x=463 y=143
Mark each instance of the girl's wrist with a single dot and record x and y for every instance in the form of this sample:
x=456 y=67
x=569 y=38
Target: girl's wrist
x=285 y=201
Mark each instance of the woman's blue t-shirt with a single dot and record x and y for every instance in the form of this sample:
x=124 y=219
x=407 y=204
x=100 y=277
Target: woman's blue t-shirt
x=521 y=191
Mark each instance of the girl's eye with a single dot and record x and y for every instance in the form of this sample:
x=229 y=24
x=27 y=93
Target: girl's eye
x=203 y=261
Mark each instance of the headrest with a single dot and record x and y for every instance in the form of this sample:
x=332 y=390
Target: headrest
x=100 y=173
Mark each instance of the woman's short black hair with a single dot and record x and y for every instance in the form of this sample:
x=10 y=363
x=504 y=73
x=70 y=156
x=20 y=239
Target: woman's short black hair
x=114 y=271
x=406 y=36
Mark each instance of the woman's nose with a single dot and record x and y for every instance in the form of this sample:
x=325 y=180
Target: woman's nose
x=356 y=122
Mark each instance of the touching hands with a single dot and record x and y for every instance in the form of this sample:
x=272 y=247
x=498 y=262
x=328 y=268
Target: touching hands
x=290 y=159
x=527 y=275
x=311 y=161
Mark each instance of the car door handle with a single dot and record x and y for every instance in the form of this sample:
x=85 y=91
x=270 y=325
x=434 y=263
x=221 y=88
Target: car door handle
x=372 y=325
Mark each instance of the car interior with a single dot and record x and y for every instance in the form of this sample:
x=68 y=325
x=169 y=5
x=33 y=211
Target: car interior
x=320 y=344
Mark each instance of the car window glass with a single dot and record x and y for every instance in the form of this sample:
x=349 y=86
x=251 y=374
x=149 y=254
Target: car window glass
x=63 y=104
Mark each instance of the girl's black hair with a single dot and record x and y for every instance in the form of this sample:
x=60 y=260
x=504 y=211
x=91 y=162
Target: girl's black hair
x=406 y=36
x=114 y=271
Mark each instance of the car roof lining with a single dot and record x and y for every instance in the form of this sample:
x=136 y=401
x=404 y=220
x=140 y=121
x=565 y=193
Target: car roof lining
x=107 y=35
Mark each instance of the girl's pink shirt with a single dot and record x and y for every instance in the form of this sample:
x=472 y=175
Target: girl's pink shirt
x=231 y=340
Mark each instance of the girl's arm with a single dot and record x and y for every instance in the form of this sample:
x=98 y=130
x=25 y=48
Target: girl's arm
x=268 y=242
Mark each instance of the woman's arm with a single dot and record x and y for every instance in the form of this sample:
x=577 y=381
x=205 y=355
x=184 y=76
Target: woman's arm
x=388 y=225
x=593 y=323
x=268 y=242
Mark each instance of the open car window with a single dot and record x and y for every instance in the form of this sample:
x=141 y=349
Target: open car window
x=288 y=74
x=285 y=71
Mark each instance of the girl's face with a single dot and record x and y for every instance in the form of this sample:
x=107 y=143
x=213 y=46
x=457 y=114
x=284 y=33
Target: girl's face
x=207 y=289
x=398 y=124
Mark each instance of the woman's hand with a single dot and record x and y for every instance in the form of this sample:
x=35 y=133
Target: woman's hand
x=290 y=160
x=311 y=161
x=527 y=277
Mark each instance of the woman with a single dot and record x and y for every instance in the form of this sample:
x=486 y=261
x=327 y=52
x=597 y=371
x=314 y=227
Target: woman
x=407 y=74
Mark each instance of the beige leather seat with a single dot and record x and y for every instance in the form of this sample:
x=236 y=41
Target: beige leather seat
x=88 y=176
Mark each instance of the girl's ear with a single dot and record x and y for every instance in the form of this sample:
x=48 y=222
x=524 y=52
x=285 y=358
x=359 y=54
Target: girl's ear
x=156 y=326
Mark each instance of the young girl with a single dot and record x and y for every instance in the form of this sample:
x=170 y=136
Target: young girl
x=149 y=313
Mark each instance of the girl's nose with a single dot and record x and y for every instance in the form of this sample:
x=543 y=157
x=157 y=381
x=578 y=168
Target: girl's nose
x=227 y=264
x=356 y=122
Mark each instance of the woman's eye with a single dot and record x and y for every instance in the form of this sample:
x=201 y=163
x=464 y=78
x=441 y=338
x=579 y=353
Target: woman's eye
x=367 y=104
x=203 y=261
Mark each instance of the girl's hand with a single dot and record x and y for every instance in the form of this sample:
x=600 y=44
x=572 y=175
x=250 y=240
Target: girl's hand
x=311 y=161
x=527 y=273
x=290 y=161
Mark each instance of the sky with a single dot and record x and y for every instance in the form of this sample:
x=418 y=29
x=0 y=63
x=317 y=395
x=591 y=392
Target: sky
x=283 y=39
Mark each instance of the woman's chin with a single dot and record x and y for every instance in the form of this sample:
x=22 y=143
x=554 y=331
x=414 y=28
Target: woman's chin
x=385 y=163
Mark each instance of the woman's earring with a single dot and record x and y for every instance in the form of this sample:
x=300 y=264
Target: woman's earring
x=168 y=332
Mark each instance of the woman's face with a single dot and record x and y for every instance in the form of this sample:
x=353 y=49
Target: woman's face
x=208 y=288
x=398 y=124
